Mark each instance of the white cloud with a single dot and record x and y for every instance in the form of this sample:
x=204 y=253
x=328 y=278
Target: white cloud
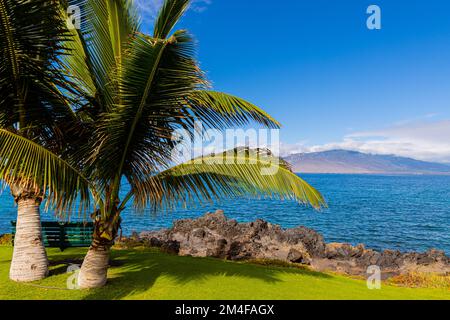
x=299 y=147
x=200 y=5
x=425 y=140
x=149 y=8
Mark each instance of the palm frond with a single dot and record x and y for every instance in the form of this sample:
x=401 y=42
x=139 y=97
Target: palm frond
x=136 y=136
x=223 y=110
x=236 y=173
x=118 y=129
x=168 y=16
x=31 y=37
x=106 y=28
x=77 y=62
x=23 y=161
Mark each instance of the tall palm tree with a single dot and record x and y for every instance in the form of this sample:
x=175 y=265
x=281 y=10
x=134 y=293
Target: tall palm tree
x=34 y=117
x=138 y=90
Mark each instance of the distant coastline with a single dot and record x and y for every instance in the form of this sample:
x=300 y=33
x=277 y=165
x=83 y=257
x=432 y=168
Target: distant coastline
x=352 y=162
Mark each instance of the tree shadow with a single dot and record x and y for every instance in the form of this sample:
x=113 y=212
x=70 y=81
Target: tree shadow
x=141 y=269
x=59 y=261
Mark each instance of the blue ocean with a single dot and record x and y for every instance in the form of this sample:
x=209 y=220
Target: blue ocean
x=408 y=213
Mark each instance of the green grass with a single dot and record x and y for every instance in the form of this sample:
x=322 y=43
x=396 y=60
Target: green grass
x=149 y=274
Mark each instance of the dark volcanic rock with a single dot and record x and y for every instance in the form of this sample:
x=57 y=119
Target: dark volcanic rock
x=172 y=247
x=216 y=236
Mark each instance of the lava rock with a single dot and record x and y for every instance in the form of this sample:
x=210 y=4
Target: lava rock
x=213 y=235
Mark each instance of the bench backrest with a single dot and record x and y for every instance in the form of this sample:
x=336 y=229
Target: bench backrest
x=64 y=235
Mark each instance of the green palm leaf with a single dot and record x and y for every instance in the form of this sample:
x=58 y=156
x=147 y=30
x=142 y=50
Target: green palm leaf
x=23 y=161
x=237 y=173
x=77 y=63
x=226 y=110
x=170 y=13
x=31 y=33
x=98 y=48
x=125 y=133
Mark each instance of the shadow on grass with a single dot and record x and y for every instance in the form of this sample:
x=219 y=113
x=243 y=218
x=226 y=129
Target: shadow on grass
x=136 y=271
x=141 y=269
x=60 y=261
x=59 y=266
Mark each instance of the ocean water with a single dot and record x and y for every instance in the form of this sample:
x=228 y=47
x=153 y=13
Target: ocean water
x=408 y=213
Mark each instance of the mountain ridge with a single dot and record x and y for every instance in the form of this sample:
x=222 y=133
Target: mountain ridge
x=354 y=162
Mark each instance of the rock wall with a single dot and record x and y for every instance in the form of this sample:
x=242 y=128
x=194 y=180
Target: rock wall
x=216 y=236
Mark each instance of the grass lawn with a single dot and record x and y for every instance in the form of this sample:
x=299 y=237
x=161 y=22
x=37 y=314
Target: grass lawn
x=149 y=274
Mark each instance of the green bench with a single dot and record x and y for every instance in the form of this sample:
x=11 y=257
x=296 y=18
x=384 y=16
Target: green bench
x=64 y=235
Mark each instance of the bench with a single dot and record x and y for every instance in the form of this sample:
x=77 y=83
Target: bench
x=64 y=235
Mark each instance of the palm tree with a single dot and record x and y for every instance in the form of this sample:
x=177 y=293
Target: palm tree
x=138 y=90
x=34 y=118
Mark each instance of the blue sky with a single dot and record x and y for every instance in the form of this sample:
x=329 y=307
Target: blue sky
x=332 y=82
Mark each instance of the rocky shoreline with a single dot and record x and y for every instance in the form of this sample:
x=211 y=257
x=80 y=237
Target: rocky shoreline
x=213 y=235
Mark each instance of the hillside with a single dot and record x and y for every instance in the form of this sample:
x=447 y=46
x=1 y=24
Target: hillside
x=343 y=161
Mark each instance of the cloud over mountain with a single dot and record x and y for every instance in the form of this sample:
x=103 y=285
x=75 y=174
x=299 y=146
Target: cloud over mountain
x=343 y=161
x=424 y=140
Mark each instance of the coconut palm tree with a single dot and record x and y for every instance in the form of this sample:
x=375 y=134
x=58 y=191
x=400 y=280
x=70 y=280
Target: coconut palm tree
x=139 y=90
x=34 y=121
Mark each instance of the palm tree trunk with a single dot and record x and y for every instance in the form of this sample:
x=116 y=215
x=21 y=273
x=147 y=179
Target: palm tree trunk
x=94 y=270
x=29 y=262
